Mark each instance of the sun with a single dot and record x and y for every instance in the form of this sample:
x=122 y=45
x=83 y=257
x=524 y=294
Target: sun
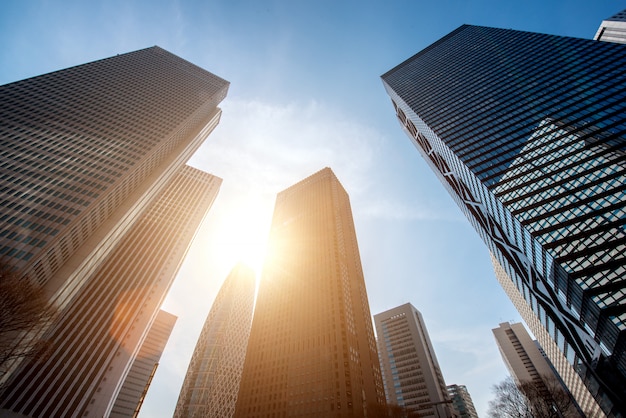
x=242 y=235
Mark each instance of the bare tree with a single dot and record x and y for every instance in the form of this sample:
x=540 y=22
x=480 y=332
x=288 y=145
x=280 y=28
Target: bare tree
x=23 y=307
x=548 y=399
x=509 y=402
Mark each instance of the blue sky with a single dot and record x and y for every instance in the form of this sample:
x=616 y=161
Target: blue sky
x=305 y=93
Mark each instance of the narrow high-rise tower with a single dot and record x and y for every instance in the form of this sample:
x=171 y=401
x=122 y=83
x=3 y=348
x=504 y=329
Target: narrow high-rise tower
x=212 y=380
x=528 y=134
x=462 y=401
x=531 y=370
x=145 y=363
x=311 y=350
x=99 y=208
x=613 y=29
x=521 y=354
x=411 y=372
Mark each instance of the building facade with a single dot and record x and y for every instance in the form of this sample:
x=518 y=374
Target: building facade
x=100 y=208
x=311 y=350
x=137 y=382
x=212 y=380
x=462 y=401
x=411 y=373
x=526 y=132
x=521 y=355
x=613 y=29
x=532 y=372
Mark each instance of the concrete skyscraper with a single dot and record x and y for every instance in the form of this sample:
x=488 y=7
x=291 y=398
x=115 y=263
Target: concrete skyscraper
x=462 y=401
x=522 y=356
x=527 y=133
x=411 y=373
x=311 y=350
x=613 y=29
x=531 y=370
x=137 y=381
x=99 y=208
x=212 y=381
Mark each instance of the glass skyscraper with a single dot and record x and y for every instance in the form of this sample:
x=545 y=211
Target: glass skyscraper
x=527 y=133
x=212 y=380
x=137 y=382
x=99 y=208
x=311 y=350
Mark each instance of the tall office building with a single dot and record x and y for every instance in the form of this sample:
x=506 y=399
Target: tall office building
x=99 y=207
x=531 y=370
x=613 y=29
x=311 y=350
x=526 y=132
x=137 y=382
x=522 y=356
x=411 y=374
x=462 y=401
x=212 y=381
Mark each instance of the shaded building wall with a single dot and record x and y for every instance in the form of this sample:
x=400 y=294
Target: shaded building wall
x=539 y=175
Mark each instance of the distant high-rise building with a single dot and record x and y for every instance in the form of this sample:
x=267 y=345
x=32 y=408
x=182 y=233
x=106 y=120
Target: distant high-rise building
x=212 y=380
x=411 y=374
x=311 y=350
x=99 y=208
x=527 y=133
x=530 y=368
x=522 y=356
x=613 y=29
x=135 y=386
x=462 y=401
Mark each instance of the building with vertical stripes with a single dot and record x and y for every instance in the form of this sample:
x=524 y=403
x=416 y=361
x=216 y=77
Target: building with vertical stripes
x=311 y=350
x=528 y=134
x=99 y=207
x=212 y=380
x=411 y=373
x=145 y=363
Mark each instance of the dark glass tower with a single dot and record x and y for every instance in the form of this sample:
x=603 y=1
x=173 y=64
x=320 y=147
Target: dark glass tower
x=98 y=207
x=527 y=133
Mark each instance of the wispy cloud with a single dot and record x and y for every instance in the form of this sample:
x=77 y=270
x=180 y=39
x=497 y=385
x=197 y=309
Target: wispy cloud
x=261 y=147
x=271 y=146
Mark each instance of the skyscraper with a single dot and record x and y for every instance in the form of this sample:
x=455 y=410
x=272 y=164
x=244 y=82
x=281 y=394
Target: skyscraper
x=136 y=384
x=311 y=350
x=532 y=372
x=462 y=401
x=411 y=373
x=99 y=208
x=526 y=132
x=212 y=380
x=522 y=356
x=613 y=29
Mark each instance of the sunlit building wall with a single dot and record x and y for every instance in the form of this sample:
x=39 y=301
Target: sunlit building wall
x=521 y=355
x=411 y=372
x=137 y=382
x=212 y=380
x=527 y=133
x=462 y=401
x=613 y=29
x=311 y=350
x=99 y=207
